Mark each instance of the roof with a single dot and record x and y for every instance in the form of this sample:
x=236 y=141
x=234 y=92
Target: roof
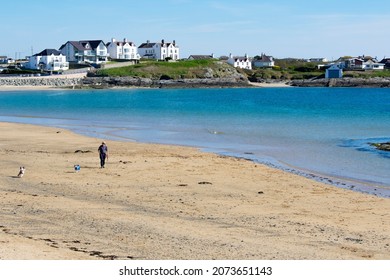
x=120 y=43
x=240 y=58
x=200 y=56
x=147 y=45
x=265 y=58
x=385 y=60
x=93 y=43
x=84 y=45
x=48 y=52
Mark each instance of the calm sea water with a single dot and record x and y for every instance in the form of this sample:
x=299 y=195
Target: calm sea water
x=323 y=133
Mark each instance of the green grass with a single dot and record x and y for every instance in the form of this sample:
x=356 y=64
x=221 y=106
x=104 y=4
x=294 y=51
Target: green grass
x=162 y=69
x=368 y=74
x=190 y=69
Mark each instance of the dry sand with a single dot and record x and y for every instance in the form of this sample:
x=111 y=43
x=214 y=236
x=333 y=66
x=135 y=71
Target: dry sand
x=167 y=202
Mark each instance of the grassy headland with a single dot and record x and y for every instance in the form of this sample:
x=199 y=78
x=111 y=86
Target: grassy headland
x=212 y=68
x=162 y=70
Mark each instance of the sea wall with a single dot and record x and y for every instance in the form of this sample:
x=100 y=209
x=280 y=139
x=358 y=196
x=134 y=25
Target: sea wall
x=40 y=81
x=80 y=81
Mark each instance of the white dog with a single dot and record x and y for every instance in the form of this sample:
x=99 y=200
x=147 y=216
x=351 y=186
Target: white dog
x=21 y=171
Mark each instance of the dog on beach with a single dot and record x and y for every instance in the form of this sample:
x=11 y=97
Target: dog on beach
x=21 y=171
x=77 y=168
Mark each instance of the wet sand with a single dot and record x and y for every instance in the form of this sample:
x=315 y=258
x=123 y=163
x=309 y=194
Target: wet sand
x=169 y=202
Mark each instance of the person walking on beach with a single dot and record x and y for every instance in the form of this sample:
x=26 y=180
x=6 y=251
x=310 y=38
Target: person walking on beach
x=103 y=154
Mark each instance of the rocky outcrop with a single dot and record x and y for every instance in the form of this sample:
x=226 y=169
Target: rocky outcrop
x=382 y=146
x=109 y=82
x=343 y=82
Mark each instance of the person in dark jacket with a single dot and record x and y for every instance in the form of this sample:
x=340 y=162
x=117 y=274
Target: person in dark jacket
x=103 y=154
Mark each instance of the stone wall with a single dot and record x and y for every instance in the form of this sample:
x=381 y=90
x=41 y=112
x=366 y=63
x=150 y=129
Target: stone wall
x=40 y=81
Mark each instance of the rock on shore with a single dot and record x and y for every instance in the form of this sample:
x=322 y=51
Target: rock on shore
x=344 y=82
x=382 y=146
x=109 y=82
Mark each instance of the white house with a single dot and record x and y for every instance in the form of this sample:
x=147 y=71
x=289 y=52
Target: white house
x=159 y=51
x=372 y=65
x=48 y=60
x=240 y=61
x=264 y=61
x=122 y=50
x=93 y=51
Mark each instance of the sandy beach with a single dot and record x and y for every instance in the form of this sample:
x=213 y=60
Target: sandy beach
x=169 y=202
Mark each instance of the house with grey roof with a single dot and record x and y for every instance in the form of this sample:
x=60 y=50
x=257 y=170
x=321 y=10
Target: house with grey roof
x=159 y=51
x=263 y=61
x=48 y=60
x=87 y=51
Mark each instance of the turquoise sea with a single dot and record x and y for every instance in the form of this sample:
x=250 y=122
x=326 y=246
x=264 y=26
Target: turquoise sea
x=320 y=133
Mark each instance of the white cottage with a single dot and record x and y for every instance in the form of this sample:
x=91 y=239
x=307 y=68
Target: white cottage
x=264 y=61
x=240 y=61
x=122 y=50
x=159 y=51
x=93 y=51
x=48 y=60
x=372 y=65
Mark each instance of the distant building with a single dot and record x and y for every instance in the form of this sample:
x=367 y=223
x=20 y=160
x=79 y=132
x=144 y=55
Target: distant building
x=200 y=57
x=354 y=64
x=159 y=51
x=122 y=50
x=333 y=72
x=321 y=59
x=372 y=65
x=48 y=60
x=386 y=62
x=3 y=59
x=240 y=61
x=264 y=61
x=6 y=60
x=362 y=63
x=92 y=51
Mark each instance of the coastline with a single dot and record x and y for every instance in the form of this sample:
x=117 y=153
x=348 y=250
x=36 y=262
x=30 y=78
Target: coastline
x=81 y=81
x=168 y=202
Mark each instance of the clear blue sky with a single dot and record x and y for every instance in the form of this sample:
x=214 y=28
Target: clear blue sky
x=282 y=28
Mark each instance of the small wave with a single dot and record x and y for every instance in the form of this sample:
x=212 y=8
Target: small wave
x=365 y=145
x=214 y=132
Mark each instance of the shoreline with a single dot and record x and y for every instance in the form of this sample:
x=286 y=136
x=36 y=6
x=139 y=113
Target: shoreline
x=81 y=81
x=169 y=202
